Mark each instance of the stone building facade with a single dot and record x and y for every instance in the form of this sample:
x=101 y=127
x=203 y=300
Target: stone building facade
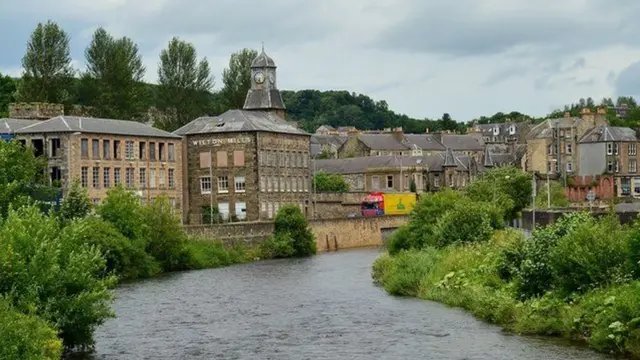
x=245 y=164
x=103 y=153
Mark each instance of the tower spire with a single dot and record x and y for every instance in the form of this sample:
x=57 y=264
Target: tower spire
x=262 y=46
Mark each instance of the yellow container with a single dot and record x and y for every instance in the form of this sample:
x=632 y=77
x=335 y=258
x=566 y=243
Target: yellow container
x=399 y=203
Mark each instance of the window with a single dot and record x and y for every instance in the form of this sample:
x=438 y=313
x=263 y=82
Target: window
x=406 y=182
x=172 y=178
x=142 y=153
x=84 y=177
x=152 y=178
x=116 y=149
x=633 y=165
x=172 y=152
x=569 y=167
x=568 y=148
x=270 y=210
x=632 y=149
x=84 y=148
x=95 y=148
x=161 y=152
x=106 y=149
x=221 y=159
x=263 y=208
x=130 y=178
x=436 y=181
x=287 y=184
x=54 y=147
x=269 y=184
x=389 y=181
x=172 y=204
x=106 y=177
x=609 y=149
x=617 y=166
x=551 y=150
x=128 y=150
x=616 y=148
x=116 y=176
x=96 y=177
x=375 y=183
x=305 y=159
x=205 y=160
x=152 y=151
x=263 y=183
x=143 y=178
x=240 y=184
x=223 y=184
x=306 y=183
x=205 y=185
x=610 y=166
x=223 y=210
x=238 y=158
x=162 y=177
x=241 y=210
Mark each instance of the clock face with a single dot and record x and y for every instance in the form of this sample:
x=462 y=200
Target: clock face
x=272 y=79
x=259 y=77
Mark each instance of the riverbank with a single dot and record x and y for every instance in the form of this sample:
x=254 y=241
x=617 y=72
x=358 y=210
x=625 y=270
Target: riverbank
x=571 y=280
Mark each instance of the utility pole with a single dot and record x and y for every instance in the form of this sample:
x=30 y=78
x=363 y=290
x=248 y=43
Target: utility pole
x=211 y=192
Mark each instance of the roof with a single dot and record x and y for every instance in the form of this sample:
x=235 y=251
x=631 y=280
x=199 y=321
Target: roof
x=503 y=127
x=609 y=133
x=545 y=128
x=449 y=159
x=239 y=121
x=359 y=165
x=334 y=140
x=64 y=124
x=262 y=61
x=461 y=142
x=382 y=142
x=8 y=126
x=262 y=99
x=488 y=160
x=425 y=142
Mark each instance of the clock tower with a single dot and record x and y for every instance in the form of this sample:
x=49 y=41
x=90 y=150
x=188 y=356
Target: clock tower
x=264 y=94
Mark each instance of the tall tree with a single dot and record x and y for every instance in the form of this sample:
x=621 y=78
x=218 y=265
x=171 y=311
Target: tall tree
x=7 y=92
x=112 y=82
x=47 y=66
x=236 y=79
x=185 y=85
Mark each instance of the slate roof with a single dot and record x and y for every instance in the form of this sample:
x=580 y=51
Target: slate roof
x=609 y=133
x=382 y=142
x=461 y=142
x=359 y=165
x=425 y=142
x=8 y=126
x=262 y=61
x=545 y=128
x=487 y=129
x=488 y=161
x=239 y=121
x=449 y=159
x=65 y=124
x=263 y=99
x=334 y=140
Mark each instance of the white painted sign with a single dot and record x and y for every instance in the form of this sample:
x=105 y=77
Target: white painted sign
x=218 y=142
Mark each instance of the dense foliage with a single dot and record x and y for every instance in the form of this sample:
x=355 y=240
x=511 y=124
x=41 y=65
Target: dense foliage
x=578 y=278
x=329 y=182
x=292 y=236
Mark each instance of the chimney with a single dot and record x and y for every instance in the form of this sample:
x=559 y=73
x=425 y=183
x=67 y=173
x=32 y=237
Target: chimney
x=427 y=130
x=398 y=134
x=35 y=111
x=585 y=111
x=602 y=111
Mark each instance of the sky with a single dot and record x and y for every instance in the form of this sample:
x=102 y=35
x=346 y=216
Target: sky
x=424 y=57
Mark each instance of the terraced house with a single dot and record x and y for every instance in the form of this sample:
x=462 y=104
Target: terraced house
x=245 y=164
x=103 y=153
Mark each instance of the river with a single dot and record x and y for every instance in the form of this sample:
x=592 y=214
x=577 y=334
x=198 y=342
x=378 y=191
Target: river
x=324 y=307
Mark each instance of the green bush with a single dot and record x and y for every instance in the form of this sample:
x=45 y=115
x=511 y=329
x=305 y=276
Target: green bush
x=467 y=222
x=124 y=258
x=292 y=231
x=403 y=274
x=419 y=231
x=76 y=204
x=43 y=271
x=508 y=186
x=325 y=182
x=279 y=246
x=205 y=254
x=26 y=337
x=164 y=236
x=122 y=209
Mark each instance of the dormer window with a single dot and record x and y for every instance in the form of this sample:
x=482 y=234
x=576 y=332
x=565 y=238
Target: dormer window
x=220 y=124
x=496 y=130
x=512 y=129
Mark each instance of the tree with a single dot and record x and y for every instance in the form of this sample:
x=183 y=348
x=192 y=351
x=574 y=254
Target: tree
x=325 y=182
x=184 y=84
x=47 y=70
x=76 y=205
x=448 y=123
x=290 y=222
x=236 y=80
x=7 y=92
x=112 y=82
x=508 y=186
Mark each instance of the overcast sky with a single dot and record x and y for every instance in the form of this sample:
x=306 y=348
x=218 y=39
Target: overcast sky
x=424 y=57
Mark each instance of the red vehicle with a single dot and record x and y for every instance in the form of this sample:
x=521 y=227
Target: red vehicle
x=372 y=204
x=395 y=203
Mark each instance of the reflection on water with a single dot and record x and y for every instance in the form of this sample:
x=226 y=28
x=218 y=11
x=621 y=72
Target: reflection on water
x=325 y=307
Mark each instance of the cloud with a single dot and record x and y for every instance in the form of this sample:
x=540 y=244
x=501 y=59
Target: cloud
x=468 y=58
x=628 y=82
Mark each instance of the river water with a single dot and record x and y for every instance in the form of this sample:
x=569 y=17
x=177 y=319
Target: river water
x=324 y=307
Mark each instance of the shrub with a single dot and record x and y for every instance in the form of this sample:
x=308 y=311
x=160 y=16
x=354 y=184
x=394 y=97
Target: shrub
x=403 y=273
x=292 y=226
x=76 y=204
x=511 y=182
x=164 y=236
x=279 y=246
x=467 y=222
x=44 y=272
x=419 y=231
x=26 y=337
x=205 y=254
x=329 y=182
x=123 y=257
x=122 y=209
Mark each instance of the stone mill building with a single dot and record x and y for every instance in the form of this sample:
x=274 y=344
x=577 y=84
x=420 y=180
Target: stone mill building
x=245 y=164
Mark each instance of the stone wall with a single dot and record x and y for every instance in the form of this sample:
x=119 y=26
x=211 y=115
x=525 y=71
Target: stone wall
x=330 y=234
x=35 y=111
x=337 y=205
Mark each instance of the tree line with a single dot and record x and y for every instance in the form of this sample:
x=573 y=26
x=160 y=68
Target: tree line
x=111 y=85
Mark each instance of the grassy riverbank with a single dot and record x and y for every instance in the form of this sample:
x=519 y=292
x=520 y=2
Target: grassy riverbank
x=578 y=278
